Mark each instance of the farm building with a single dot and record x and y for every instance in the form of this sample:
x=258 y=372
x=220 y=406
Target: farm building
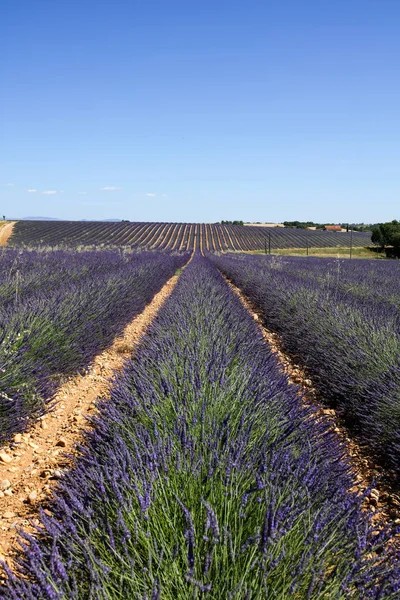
x=333 y=228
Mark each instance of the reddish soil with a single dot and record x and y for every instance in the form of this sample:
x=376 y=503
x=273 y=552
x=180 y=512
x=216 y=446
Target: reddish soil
x=5 y=232
x=31 y=465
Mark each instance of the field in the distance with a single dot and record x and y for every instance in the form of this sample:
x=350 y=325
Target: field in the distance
x=177 y=236
x=333 y=252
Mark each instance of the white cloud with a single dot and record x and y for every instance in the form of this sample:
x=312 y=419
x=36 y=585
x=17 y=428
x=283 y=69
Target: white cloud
x=151 y=195
x=10 y=184
x=82 y=193
x=49 y=192
x=110 y=188
x=164 y=195
x=31 y=191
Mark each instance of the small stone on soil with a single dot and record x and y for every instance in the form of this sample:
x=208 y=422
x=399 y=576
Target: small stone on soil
x=5 y=457
x=57 y=473
x=8 y=515
x=32 y=496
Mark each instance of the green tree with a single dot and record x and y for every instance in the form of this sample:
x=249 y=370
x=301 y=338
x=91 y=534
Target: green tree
x=387 y=234
x=232 y=222
x=396 y=243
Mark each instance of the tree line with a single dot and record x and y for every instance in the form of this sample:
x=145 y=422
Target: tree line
x=387 y=236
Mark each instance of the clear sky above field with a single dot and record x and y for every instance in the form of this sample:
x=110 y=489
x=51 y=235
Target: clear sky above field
x=200 y=110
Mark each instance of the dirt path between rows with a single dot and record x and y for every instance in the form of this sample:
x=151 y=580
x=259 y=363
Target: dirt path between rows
x=31 y=465
x=5 y=232
x=381 y=498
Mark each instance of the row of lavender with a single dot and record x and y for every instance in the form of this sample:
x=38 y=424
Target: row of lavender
x=206 y=476
x=57 y=311
x=342 y=321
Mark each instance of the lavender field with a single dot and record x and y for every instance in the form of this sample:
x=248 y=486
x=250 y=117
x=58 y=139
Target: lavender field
x=341 y=321
x=205 y=474
x=177 y=236
x=58 y=310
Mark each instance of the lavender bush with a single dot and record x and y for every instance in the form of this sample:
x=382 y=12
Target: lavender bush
x=206 y=476
x=58 y=310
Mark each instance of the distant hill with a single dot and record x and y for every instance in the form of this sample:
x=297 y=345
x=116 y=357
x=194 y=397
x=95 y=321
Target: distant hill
x=57 y=219
x=100 y=220
x=39 y=219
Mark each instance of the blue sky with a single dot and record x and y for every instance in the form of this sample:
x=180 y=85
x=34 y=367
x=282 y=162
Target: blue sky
x=200 y=110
